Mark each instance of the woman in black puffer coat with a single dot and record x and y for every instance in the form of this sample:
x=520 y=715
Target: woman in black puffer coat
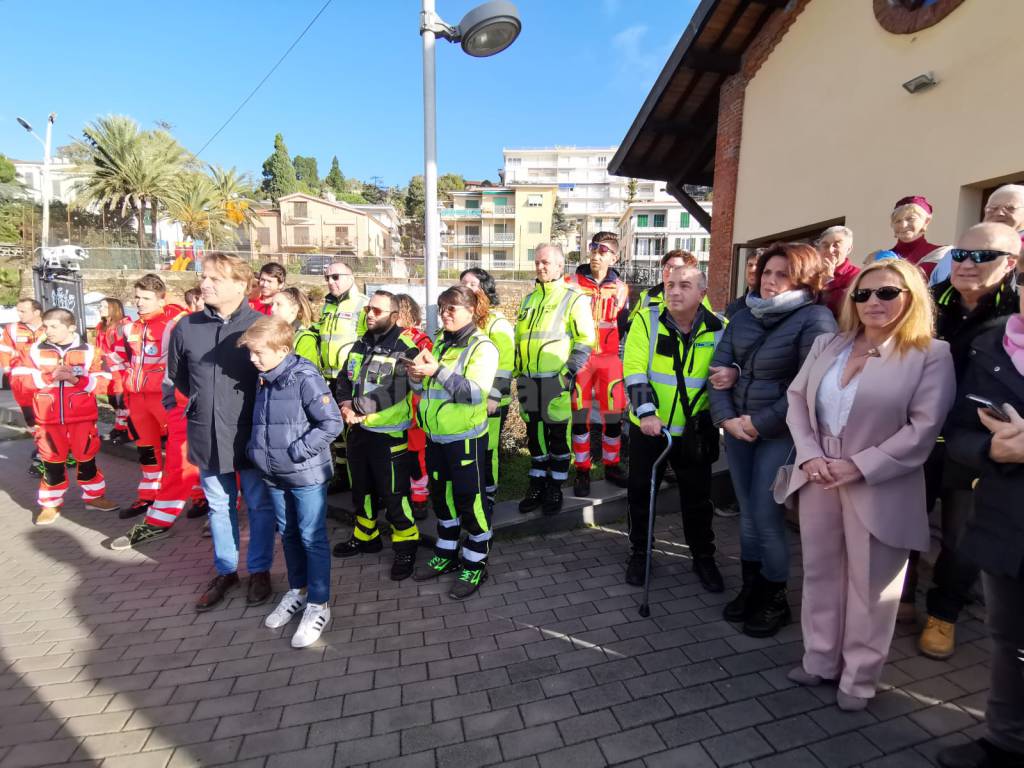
x=767 y=342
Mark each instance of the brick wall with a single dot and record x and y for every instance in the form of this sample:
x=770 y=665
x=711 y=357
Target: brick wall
x=727 y=150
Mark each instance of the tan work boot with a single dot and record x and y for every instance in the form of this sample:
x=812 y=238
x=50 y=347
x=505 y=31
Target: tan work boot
x=102 y=504
x=938 y=640
x=48 y=516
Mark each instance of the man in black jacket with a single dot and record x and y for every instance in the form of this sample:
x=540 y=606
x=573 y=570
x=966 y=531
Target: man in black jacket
x=206 y=365
x=373 y=392
x=980 y=292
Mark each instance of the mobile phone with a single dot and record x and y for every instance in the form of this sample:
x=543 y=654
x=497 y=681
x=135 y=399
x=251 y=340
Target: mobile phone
x=988 y=405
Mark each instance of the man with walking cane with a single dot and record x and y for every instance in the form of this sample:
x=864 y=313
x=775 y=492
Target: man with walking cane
x=668 y=353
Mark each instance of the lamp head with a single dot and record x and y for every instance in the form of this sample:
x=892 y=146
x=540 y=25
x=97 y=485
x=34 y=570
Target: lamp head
x=489 y=28
x=24 y=124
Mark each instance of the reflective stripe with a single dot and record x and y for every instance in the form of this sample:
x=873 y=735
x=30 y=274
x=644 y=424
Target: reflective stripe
x=546 y=375
x=399 y=427
x=635 y=378
x=452 y=523
x=652 y=338
x=663 y=378
x=437 y=394
x=694 y=383
x=503 y=374
x=470 y=433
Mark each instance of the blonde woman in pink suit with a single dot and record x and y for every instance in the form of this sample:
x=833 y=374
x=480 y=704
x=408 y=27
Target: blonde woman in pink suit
x=864 y=412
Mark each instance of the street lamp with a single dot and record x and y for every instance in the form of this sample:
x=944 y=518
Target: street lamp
x=45 y=239
x=484 y=31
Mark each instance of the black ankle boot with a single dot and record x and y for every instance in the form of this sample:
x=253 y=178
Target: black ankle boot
x=534 y=495
x=741 y=606
x=772 y=612
x=552 y=497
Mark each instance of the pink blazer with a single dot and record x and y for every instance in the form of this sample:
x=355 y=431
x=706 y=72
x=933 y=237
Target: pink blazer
x=900 y=407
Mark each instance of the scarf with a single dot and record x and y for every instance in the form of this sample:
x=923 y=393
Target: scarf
x=782 y=304
x=1013 y=342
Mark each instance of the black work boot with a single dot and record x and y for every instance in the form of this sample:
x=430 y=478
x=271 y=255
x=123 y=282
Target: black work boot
x=534 y=495
x=708 y=573
x=354 y=546
x=616 y=475
x=402 y=565
x=636 y=568
x=581 y=483
x=772 y=613
x=552 y=497
x=741 y=606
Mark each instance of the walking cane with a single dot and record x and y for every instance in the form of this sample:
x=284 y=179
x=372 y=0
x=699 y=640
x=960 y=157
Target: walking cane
x=645 y=608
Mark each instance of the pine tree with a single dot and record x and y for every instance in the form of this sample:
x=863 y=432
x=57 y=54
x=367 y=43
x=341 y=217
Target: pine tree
x=278 y=172
x=335 y=179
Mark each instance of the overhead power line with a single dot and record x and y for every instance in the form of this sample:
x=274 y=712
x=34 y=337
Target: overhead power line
x=261 y=82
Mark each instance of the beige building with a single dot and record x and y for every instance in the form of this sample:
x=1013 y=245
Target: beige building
x=305 y=224
x=826 y=111
x=497 y=228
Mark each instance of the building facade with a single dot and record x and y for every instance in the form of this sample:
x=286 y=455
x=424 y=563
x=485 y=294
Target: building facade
x=647 y=231
x=496 y=228
x=591 y=199
x=303 y=223
x=62 y=180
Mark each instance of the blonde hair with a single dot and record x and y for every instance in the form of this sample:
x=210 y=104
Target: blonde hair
x=270 y=332
x=231 y=266
x=301 y=303
x=915 y=329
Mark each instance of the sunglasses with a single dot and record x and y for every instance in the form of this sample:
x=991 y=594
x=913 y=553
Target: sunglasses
x=960 y=255
x=379 y=311
x=448 y=309
x=601 y=248
x=337 y=275
x=885 y=293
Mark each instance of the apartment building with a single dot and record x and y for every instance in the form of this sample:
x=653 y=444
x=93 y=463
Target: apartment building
x=649 y=230
x=62 y=179
x=497 y=228
x=303 y=223
x=591 y=198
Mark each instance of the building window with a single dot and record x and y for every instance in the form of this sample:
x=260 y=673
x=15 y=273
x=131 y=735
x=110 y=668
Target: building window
x=56 y=189
x=598 y=223
x=602 y=160
x=30 y=180
x=659 y=219
x=643 y=246
x=499 y=256
x=299 y=210
x=658 y=247
x=515 y=161
x=302 y=235
x=641 y=220
x=535 y=227
x=535 y=201
x=705 y=243
x=684 y=219
x=340 y=235
x=679 y=244
x=500 y=228
x=690 y=244
x=501 y=201
x=529 y=253
x=472 y=203
x=263 y=235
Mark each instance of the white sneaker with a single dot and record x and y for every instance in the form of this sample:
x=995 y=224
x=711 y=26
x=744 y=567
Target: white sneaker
x=292 y=602
x=314 y=620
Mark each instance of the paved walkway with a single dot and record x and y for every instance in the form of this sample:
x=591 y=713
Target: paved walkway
x=104 y=662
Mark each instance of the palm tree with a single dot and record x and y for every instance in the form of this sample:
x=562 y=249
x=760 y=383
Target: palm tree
x=232 y=192
x=193 y=203
x=124 y=168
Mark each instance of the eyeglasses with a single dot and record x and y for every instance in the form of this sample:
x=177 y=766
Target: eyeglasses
x=601 y=248
x=978 y=257
x=885 y=293
x=337 y=275
x=1010 y=209
x=448 y=309
x=379 y=311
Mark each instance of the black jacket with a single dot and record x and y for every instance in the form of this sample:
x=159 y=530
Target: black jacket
x=769 y=354
x=960 y=326
x=995 y=535
x=371 y=376
x=206 y=365
x=740 y=302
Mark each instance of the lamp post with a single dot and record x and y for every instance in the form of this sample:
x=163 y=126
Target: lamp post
x=484 y=31
x=44 y=240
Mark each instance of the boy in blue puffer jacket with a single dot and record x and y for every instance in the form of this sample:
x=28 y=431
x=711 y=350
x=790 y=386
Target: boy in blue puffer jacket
x=294 y=422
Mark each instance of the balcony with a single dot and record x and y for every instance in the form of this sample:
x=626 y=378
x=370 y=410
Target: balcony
x=504 y=237
x=460 y=213
x=504 y=210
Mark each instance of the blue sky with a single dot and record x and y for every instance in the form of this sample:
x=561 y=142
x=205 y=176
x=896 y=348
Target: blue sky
x=352 y=87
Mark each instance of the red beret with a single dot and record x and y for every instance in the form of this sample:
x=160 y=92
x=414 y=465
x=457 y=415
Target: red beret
x=919 y=200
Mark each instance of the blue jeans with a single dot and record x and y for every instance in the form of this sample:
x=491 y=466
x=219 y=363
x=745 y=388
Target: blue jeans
x=302 y=521
x=762 y=522
x=222 y=492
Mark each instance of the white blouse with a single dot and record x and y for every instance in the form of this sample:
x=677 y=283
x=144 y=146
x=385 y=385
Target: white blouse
x=834 y=401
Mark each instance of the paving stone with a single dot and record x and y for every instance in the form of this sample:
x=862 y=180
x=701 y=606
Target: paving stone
x=798 y=758
x=548 y=710
x=631 y=744
x=530 y=741
x=366 y=750
x=431 y=736
x=845 y=750
x=732 y=748
x=272 y=742
x=642 y=711
x=601 y=696
x=313 y=757
x=691 y=756
x=517 y=693
x=693 y=699
x=679 y=731
x=583 y=755
x=340 y=729
x=896 y=734
x=567 y=682
x=492 y=723
x=461 y=705
x=371 y=701
x=399 y=718
x=471 y=754
x=588 y=726
x=943 y=719
x=792 y=732
x=740 y=714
